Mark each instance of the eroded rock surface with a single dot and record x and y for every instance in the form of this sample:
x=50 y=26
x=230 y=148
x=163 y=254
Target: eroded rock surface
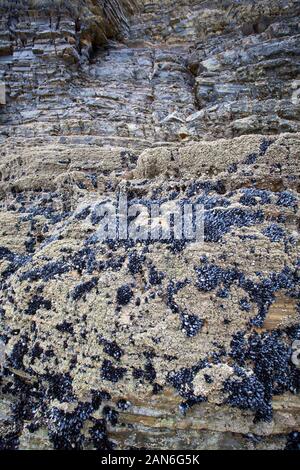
x=154 y=344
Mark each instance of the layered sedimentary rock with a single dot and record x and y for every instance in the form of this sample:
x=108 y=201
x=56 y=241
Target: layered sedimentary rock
x=197 y=70
x=150 y=343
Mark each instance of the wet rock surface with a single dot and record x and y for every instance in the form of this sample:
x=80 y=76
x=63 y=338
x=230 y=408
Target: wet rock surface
x=150 y=344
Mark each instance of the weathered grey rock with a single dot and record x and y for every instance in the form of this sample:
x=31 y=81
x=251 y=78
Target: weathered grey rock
x=2 y=93
x=153 y=344
x=238 y=83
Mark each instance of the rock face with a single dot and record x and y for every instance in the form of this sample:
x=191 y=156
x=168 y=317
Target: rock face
x=200 y=70
x=149 y=343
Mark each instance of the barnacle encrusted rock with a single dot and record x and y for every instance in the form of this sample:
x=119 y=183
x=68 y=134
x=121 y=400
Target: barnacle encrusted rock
x=176 y=344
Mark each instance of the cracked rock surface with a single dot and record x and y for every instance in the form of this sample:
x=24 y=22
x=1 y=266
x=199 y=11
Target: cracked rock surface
x=149 y=344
